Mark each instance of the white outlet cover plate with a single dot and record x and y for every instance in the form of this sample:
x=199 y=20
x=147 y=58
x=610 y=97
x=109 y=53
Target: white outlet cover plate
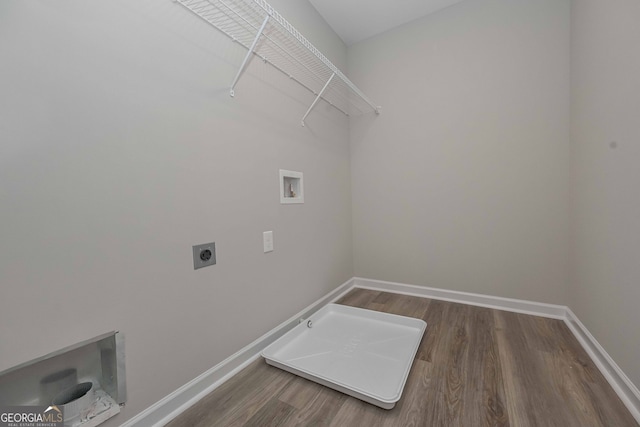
x=267 y=241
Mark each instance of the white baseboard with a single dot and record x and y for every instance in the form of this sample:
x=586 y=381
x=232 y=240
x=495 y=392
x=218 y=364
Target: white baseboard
x=177 y=402
x=166 y=409
x=507 y=304
x=618 y=380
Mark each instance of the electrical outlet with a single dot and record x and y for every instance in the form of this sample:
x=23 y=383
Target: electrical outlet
x=204 y=255
x=267 y=241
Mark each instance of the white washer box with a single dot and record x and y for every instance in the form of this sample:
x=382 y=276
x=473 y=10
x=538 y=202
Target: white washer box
x=291 y=187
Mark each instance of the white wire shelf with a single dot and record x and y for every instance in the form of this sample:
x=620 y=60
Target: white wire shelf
x=255 y=25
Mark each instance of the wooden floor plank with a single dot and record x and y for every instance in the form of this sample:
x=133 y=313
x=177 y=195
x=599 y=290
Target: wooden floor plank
x=474 y=367
x=300 y=392
x=354 y=412
x=404 y=305
x=315 y=405
x=435 y=334
x=532 y=398
x=412 y=409
x=484 y=395
x=273 y=413
x=453 y=364
x=357 y=297
x=238 y=399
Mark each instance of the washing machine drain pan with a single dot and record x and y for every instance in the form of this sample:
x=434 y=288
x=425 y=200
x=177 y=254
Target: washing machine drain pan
x=363 y=353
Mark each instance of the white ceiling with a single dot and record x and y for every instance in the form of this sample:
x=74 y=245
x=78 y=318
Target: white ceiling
x=356 y=20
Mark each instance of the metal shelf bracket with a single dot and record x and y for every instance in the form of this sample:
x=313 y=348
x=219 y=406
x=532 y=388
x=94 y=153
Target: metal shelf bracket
x=315 y=101
x=248 y=56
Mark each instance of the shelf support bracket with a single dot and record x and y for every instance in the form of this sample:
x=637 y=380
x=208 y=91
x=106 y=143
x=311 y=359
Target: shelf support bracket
x=249 y=55
x=315 y=101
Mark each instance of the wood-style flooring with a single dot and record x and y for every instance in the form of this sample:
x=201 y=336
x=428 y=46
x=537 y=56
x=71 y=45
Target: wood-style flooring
x=475 y=367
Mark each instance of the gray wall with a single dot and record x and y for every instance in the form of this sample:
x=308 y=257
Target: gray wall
x=462 y=181
x=605 y=107
x=120 y=148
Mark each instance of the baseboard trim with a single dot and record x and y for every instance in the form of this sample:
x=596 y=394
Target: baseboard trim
x=166 y=409
x=180 y=400
x=621 y=384
x=508 y=304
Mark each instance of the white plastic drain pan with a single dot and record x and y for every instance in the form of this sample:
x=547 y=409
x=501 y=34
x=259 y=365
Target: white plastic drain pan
x=363 y=353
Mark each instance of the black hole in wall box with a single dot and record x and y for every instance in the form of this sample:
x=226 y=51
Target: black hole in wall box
x=73 y=393
x=205 y=255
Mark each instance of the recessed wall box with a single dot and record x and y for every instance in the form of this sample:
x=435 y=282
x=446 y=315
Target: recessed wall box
x=87 y=380
x=204 y=255
x=291 y=187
